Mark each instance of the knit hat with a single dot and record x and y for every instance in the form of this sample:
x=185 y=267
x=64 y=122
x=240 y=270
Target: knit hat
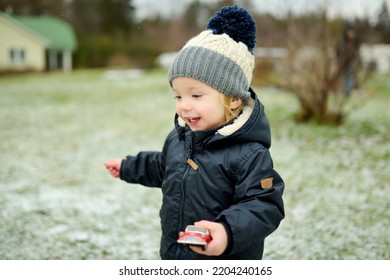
x=222 y=55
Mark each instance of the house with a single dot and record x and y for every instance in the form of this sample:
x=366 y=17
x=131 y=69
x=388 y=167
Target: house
x=377 y=55
x=35 y=43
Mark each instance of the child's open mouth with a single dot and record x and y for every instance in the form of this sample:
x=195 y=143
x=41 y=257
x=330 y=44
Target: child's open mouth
x=193 y=121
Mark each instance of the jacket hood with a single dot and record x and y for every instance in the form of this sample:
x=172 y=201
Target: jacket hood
x=250 y=126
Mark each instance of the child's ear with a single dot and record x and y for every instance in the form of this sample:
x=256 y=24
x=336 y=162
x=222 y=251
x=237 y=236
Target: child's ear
x=235 y=103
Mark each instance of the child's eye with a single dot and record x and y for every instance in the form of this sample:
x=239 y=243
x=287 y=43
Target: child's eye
x=196 y=95
x=177 y=97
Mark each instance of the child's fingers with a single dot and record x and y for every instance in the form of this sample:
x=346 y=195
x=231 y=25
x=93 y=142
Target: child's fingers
x=113 y=167
x=109 y=163
x=114 y=172
x=197 y=249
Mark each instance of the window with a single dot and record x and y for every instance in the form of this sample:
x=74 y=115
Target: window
x=17 y=56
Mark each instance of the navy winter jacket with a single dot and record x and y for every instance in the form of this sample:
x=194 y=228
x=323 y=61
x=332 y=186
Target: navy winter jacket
x=235 y=183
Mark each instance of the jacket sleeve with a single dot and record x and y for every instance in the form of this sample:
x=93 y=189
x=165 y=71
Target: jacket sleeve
x=146 y=168
x=258 y=207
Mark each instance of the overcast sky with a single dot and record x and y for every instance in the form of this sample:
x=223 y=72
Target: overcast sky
x=346 y=8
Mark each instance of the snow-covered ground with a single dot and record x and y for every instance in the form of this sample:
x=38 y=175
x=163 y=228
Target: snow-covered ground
x=58 y=202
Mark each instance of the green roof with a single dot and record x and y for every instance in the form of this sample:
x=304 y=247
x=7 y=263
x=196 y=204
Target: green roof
x=59 y=33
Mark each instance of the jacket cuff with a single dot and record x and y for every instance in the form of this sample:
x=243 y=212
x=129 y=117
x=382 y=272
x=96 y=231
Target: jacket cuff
x=229 y=237
x=121 y=171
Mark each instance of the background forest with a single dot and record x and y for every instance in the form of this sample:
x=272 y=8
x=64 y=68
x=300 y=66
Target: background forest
x=109 y=34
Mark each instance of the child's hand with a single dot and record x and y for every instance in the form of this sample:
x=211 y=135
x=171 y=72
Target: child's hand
x=114 y=167
x=219 y=240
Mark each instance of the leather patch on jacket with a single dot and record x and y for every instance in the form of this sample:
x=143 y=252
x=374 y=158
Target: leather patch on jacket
x=193 y=164
x=266 y=183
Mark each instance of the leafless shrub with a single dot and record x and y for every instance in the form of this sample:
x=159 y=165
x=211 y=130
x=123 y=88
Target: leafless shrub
x=311 y=71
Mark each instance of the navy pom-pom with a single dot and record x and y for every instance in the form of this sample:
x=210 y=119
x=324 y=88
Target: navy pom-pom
x=235 y=22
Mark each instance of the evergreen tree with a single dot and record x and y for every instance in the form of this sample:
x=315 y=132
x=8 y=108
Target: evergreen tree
x=383 y=23
x=36 y=7
x=116 y=15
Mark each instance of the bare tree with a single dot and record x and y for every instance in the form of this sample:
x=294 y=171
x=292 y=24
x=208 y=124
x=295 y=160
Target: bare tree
x=311 y=71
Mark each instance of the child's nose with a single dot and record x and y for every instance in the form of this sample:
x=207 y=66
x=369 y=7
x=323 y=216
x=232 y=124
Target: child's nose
x=185 y=105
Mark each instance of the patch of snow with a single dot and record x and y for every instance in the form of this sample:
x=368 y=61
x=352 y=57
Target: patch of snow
x=128 y=74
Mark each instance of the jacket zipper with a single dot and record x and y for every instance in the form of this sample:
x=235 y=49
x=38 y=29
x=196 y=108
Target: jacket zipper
x=182 y=196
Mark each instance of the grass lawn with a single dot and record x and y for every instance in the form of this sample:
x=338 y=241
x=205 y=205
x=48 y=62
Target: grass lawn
x=58 y=202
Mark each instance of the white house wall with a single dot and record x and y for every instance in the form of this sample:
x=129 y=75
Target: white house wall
x=14 y=37
x=379 y=54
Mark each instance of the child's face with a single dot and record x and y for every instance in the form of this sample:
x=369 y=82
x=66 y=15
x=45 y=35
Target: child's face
x=198 y=104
